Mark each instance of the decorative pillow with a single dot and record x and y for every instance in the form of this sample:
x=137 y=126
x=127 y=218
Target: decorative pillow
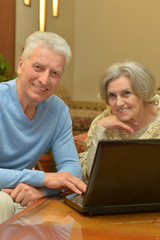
x=82 y=118
x=79 y=141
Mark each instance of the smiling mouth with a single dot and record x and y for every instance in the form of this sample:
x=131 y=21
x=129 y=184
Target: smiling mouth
x=123 y=110
x=40 y=88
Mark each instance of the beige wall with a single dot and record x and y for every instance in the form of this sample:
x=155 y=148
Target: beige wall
x=108 y=31
x=26 y=23
x=100 y=32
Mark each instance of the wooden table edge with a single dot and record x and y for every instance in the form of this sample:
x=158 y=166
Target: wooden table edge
x=22 y=213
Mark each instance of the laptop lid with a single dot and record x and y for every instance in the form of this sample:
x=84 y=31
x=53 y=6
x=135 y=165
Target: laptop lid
x=125 y=177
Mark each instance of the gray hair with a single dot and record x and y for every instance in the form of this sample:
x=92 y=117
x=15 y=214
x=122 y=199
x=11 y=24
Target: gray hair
x=142 y=80
x=49 y=40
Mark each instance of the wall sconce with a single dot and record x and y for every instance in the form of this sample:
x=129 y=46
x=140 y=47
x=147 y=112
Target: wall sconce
x=42 y=15
x=27 y=2
x=42 y=12
x=55 y=8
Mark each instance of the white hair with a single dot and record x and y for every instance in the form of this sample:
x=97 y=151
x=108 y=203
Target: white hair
x=46 y=39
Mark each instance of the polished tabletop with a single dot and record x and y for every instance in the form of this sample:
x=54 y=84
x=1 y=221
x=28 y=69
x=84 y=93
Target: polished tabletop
x=51 y=218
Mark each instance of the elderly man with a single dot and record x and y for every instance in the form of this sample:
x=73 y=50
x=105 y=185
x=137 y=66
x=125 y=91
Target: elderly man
x=33 y=120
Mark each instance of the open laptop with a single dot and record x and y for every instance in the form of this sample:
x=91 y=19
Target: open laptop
x=125 y=178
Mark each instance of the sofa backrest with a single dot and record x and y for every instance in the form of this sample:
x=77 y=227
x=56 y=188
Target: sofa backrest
x=62 y=93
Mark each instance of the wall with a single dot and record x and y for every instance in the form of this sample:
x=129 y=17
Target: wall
x=108 y=31
x=26 y=23
x=100 y=32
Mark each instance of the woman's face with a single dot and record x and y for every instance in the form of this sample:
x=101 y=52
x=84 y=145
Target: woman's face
x=123 y=101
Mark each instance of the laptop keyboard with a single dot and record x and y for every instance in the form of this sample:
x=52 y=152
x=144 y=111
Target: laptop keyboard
x=78 y=199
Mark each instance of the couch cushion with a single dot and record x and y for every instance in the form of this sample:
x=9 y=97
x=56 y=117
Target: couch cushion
x=82 y=118
x=79 y=141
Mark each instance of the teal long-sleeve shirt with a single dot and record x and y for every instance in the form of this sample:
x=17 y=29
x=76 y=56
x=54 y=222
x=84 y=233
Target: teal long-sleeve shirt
x=23 y=142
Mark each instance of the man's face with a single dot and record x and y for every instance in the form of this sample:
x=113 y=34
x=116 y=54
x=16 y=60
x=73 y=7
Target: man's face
x=39 y=75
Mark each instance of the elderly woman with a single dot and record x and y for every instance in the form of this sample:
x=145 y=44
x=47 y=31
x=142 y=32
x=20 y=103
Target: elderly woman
x=133 y=109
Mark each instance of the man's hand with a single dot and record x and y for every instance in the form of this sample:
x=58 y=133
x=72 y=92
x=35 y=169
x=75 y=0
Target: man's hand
x=113 y=122
x=24 y=194
x=65 y=181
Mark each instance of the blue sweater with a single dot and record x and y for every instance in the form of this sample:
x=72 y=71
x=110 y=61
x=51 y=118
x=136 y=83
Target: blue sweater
x=23 y=142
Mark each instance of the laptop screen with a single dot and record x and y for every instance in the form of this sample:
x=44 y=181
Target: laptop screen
x=125 y=172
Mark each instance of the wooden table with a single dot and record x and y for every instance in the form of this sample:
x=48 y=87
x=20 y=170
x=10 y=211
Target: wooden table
x=51 y=218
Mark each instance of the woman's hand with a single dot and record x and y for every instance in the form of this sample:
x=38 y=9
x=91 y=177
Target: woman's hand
x=113 y=122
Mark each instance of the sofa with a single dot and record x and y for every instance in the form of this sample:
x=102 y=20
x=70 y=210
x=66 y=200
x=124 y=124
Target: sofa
x=82 y=112
x=80 y=142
